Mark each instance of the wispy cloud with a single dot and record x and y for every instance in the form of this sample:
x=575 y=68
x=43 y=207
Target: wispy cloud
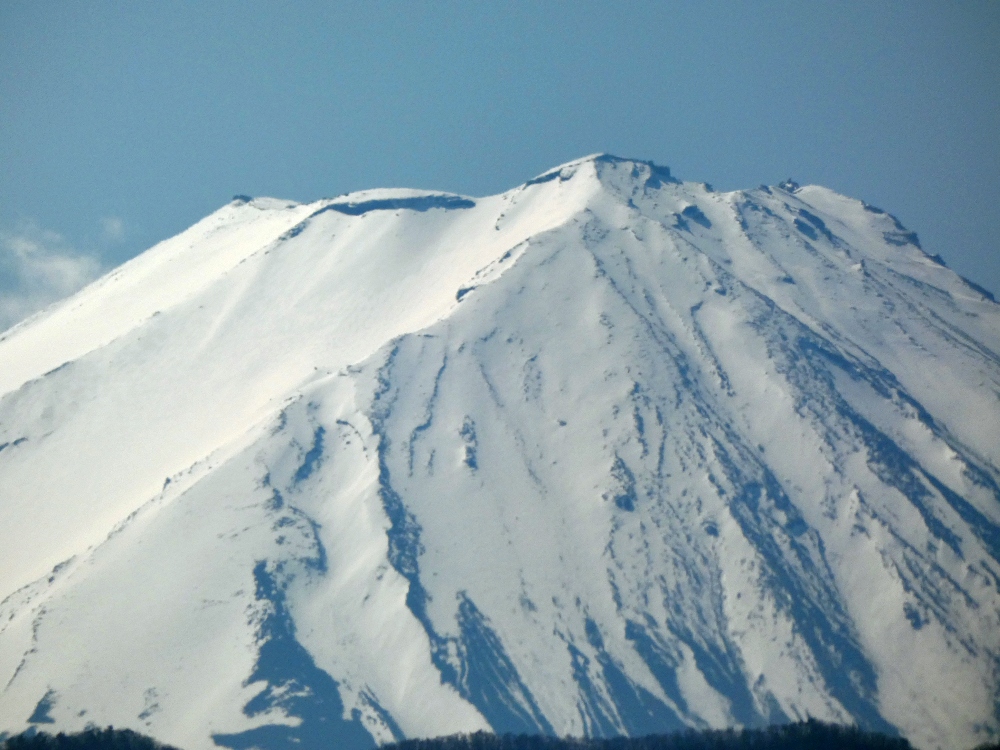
x=38 y=267
x=112 y=229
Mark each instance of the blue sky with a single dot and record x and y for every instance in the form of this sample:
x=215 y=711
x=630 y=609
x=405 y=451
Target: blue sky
x=123 y=123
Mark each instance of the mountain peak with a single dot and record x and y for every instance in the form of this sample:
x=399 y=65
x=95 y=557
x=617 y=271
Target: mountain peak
x=602 y=163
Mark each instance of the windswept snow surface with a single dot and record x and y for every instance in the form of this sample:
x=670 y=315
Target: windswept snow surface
x=606 y=454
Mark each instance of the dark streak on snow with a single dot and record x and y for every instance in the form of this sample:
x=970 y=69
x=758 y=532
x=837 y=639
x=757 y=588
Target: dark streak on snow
x=484 y=675
x=41 y=714
x=12 y=444
x=294 y=685
x=416 y=203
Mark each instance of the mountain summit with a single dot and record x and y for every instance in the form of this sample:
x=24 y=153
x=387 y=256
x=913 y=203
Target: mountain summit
x=606 y=454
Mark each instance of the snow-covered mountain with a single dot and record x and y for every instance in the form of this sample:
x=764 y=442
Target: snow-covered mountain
x=606 y=454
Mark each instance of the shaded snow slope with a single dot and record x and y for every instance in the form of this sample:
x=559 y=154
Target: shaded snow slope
x=608 y=453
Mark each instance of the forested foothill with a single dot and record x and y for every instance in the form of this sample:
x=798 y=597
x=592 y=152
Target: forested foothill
x=807 y=735
x=91 y=738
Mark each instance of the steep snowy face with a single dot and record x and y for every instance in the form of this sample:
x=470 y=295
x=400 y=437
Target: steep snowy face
x=606 y=454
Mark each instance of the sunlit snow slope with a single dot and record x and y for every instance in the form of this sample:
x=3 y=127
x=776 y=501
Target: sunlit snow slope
x=606 y=454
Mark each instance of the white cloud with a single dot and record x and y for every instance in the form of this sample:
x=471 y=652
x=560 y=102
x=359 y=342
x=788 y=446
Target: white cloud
x=37 y=268
x=113 y=229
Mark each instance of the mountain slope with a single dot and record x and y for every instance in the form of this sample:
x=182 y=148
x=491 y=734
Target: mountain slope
x=605 y=454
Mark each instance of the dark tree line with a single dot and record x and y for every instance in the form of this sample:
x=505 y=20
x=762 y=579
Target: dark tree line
x=88 y=739
x=807 y=735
